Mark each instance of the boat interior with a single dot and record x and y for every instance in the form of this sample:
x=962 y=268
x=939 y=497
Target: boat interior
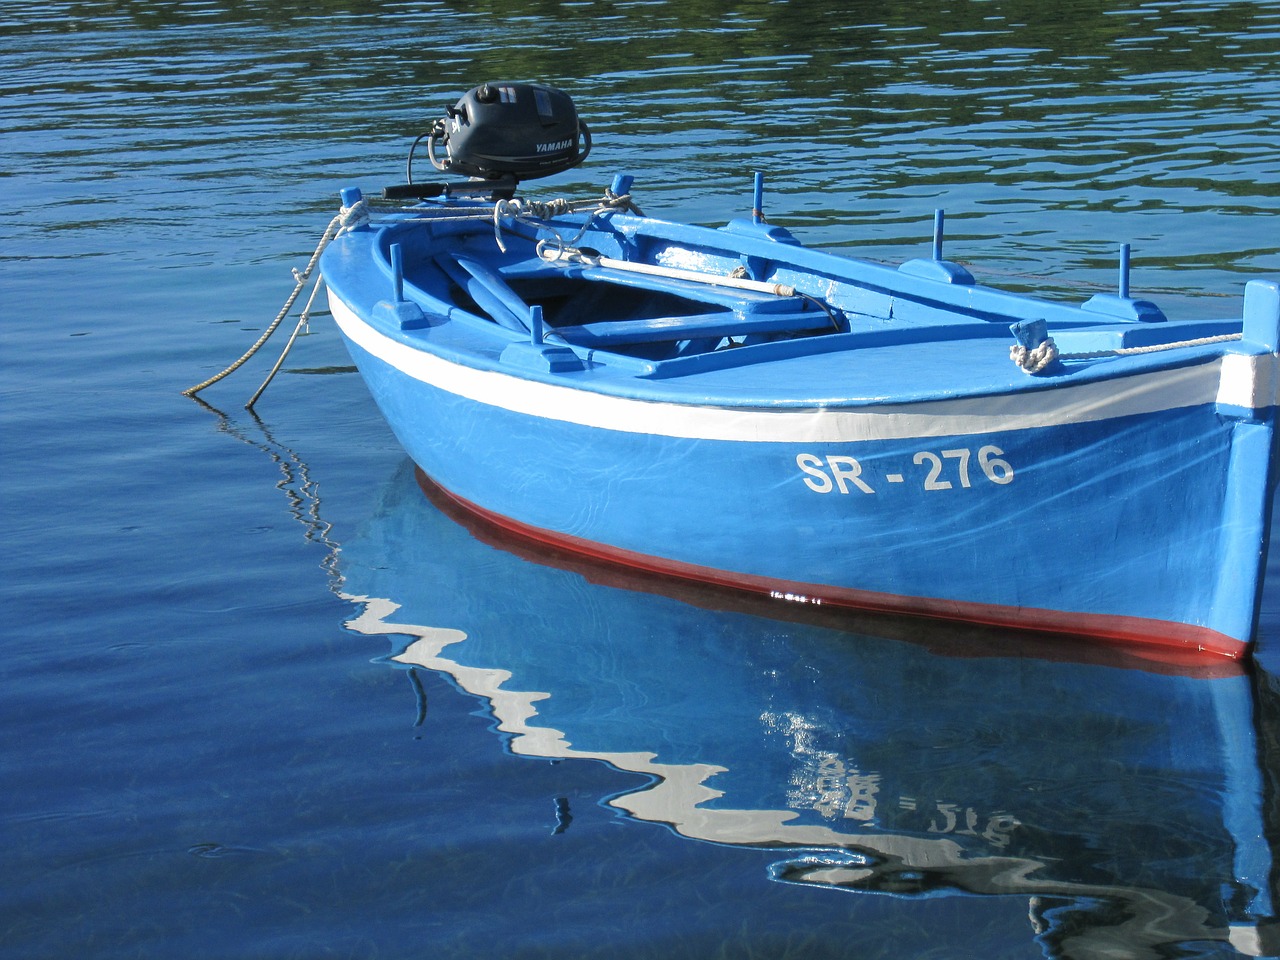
x=653 y=317
x=680 y=324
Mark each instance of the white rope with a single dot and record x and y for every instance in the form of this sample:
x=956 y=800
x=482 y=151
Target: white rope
x=536 y=213
x=1035 y=360
x=303 y=320
x=348 y=218
x=358 y=215
x=1154 y=348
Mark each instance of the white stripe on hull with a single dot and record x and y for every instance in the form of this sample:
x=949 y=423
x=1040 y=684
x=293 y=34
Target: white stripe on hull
x=1147 y=393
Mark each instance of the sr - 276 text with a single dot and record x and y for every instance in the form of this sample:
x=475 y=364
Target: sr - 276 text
x=944 y=470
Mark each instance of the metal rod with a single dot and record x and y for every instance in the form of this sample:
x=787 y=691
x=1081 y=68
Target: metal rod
x=938 y=219
x=777 y=289
x=1124 y=270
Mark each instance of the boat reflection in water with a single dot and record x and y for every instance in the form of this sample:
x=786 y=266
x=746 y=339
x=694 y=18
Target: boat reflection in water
x=1125 y=800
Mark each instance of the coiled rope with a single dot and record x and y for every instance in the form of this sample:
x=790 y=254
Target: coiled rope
x=348 y=218
x=1036 y=359
x=536 y=213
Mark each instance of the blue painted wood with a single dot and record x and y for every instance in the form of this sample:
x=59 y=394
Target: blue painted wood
x=719 y=325
x=897 y=459
x=488 y=290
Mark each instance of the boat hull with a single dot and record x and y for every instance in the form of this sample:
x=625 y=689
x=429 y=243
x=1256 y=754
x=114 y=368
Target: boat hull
x=1131 y=511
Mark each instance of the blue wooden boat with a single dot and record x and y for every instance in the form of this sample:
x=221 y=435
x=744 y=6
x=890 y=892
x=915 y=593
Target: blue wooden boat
x=728 y=406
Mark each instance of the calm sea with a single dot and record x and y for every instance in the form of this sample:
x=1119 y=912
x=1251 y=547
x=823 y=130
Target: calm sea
x=262 y=699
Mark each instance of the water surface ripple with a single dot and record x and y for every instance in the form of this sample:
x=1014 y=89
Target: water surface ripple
x=263 y=698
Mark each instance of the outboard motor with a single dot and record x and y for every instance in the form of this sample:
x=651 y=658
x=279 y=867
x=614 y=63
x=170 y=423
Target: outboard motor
x=526 y=130
x=501 y=133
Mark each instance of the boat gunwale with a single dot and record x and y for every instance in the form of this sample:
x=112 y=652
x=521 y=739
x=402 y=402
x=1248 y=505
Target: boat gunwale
x=472 y=341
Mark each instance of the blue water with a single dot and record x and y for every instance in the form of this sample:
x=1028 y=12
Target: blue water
x=213 y=747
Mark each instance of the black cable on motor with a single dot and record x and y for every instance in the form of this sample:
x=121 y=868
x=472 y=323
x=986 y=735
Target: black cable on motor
x=408 y=166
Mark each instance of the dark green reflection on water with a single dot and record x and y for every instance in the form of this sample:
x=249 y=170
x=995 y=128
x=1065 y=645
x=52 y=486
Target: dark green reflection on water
x=1050 y=135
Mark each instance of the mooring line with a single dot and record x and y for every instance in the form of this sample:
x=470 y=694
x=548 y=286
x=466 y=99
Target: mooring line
x=347 y=218
x=358 y=214
x=303 y=319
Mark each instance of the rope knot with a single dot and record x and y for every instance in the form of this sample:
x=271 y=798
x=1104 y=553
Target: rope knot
x=356 y=215
x=616 y=201
x=1035 y=359
x=1035 y=349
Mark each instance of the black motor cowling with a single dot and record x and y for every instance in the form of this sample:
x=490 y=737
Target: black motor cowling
x=511 y=130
